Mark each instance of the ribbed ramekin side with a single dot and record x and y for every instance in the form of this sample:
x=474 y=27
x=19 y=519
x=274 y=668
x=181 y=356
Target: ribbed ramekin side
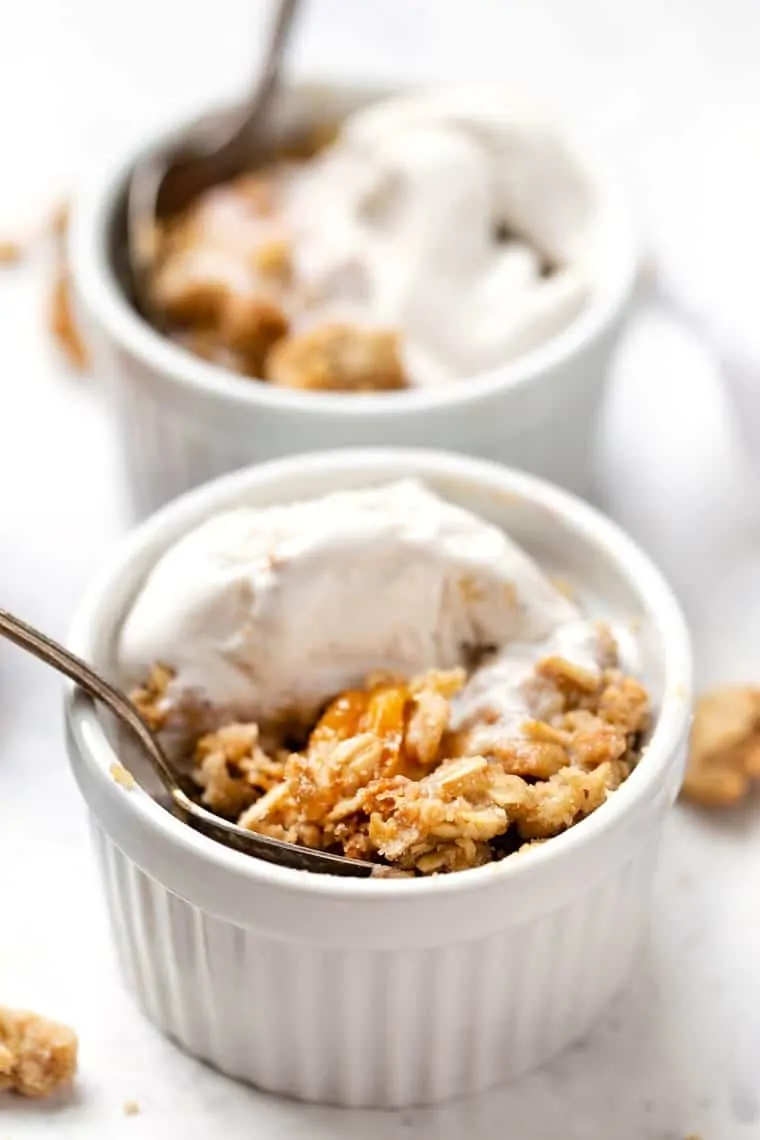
x=374 y=1028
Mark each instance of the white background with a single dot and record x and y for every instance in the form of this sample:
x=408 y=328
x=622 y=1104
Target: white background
x=680 y=1052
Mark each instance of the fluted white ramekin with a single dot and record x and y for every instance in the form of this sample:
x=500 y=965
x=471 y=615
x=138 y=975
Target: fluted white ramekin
x=386 y=992
x=182 y=420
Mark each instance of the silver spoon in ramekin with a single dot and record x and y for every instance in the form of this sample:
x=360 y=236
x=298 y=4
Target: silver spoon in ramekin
x=182 y=804
x=213 y=152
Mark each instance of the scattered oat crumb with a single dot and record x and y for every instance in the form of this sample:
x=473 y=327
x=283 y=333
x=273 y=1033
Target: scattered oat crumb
x=59 y=220
x=11 y=252
x=131 y=1108
x=61 y=320
x=121 y=776
x=724 y=756
x=37 y=1056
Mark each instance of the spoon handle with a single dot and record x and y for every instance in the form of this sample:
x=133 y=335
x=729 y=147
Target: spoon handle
x=236 y=152
x=267 y=81
x=77 y=670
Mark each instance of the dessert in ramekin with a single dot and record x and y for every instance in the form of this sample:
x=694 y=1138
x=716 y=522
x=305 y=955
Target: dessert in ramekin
x=452 y=271
x=387 y=990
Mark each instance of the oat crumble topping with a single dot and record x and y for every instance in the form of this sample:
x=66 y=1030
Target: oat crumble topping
x=37 y=1056
x=338 y=357
x=150 y=698
x=227 y=288
x=382 y=777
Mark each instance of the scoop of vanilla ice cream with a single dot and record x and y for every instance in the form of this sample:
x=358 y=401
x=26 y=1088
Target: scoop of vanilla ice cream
x=462 y=218
x=264 y=610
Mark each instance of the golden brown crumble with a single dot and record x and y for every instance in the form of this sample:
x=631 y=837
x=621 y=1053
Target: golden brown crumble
x=382 y=777
x=150 y=698
x=273 y=259
x=131 y=1108
x=190 y=301
x=338 y=358
x=37 y=1056
x=724 y=755
x=251 y=326
x=220 y=272
x=233 y=770
x=569 y=678
x=225 y=286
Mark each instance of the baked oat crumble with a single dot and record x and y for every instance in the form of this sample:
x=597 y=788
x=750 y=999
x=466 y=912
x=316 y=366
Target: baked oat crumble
x=724 y=753
x=226 y=287
x=149 y=699
x=338 y=358
x=131 y=1108
x=382 y=776
x=37 y=1056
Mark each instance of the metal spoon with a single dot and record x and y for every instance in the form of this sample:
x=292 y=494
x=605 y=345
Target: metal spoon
x=249 y=842
x=213 y=152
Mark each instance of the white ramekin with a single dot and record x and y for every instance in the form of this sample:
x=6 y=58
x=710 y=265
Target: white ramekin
x=182 y=420
x=386 y=992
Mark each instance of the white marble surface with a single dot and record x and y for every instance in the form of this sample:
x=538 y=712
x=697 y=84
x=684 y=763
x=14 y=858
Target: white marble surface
x=680 y=1052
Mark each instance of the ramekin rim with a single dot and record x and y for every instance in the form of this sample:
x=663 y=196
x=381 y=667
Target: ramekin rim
x=94 y=279
x=660 y=754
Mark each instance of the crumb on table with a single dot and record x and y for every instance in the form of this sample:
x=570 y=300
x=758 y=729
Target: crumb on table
x=61 y=319
x=60 y=315
x=11 y=252
x=131 y=1108
x=724 y=752
x=37 y=1056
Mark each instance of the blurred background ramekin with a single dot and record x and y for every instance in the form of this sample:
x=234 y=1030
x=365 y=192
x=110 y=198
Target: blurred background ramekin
x=182 y=420
x=386 y=992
